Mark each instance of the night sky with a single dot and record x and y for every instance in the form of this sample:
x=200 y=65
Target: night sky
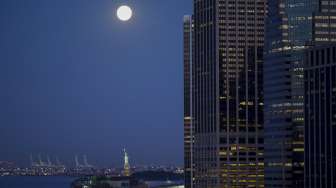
x=75 y=80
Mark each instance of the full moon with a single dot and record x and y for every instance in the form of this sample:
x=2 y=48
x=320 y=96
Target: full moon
x=124 y=13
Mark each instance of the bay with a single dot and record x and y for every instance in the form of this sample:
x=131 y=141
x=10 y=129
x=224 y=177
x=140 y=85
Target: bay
x=35 y=182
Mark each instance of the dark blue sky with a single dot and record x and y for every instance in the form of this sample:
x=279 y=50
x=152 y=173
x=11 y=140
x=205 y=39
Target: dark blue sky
x=75 y=80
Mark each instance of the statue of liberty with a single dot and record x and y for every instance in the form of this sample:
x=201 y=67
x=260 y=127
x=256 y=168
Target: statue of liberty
x=127 y=168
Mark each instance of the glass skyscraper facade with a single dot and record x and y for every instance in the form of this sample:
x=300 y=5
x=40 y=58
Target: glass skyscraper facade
x=227 y=95
x=320 y=117
x=292 y=27
x=320 y=100
x=247 y=104
x=289 y=31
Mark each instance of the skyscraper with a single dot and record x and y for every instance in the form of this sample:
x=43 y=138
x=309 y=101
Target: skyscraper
x=288 y=31
x=320 y=100
x=291 y=28
x=320 y=117
x=187 y=59
x=227 y=103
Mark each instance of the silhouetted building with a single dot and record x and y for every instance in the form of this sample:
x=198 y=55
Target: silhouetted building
x=292 y=27
x=187 y=39
x=320 y=117
x=227 y=94
x=289 y=29
x=320 y=100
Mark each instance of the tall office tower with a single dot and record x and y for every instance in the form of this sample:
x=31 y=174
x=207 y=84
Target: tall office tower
x=291 y=27
x=288 y=32
x=320 y=100
x=320 y=117
x=187 y=59
x=227 y=102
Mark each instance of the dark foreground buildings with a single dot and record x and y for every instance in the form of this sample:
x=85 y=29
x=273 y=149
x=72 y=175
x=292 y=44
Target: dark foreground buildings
x=226 y=94
x=289 y=30
x=292 y=28
x=246 y=105
x=320 y=117
x=320 y=100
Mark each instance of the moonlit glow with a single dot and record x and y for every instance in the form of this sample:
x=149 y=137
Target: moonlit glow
x=124 y=13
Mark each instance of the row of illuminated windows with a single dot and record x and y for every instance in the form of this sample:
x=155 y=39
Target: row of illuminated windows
x=233 y=54
x=237 y=34
x=243 y=1
x=259 y=41
x=240 y=159
x=287 y=48
x=328 y=2
x=325 y=25
x=242 y=18
x=240 y=175
x=233 y=61
x=260 y=3
x=234 y=141
x=240 y=36
x=286 y=112
x=241 y=13
x=325 y=17
x=328 y=10
x=325 y=33
x=242 y=23
x=232 y=50
x=300 y=18
x=241 y=164
x=280 y=164
x=234 y=32
x=248 y=41
x=318 y=39
x=250 y=9
x=245 y=23
x=287 y=105
x=242 y=29
x=240 y=153
x=257 y=150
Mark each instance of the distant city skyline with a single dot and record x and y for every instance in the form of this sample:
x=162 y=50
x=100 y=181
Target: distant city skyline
x=71 y=162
